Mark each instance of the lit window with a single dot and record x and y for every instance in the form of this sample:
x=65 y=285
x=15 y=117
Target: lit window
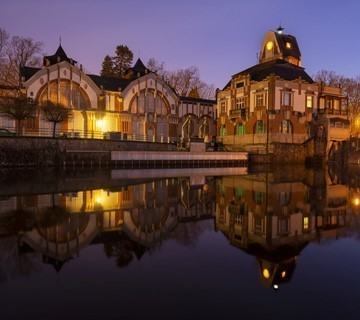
x=306 y=223
x=309 y=101
x=288 y=45
x=266 y=273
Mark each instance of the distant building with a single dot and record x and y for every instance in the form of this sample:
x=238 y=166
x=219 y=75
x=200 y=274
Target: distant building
x=276 y=101
x=139 y=106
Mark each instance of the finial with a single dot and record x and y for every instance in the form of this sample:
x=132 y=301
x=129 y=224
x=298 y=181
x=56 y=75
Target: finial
x=60 y=41
x=280 y=29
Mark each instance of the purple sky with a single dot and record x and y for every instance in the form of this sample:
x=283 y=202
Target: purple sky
x=221 y=38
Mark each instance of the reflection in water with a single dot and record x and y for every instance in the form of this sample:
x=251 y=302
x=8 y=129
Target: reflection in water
x=271 y=216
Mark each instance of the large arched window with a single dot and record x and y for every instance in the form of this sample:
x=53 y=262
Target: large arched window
x=286 y=126
x=62 y=93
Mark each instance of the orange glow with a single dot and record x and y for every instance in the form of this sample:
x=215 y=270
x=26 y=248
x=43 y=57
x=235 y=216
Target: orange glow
x=283 y=274
x=356 y=202
x=266 y=273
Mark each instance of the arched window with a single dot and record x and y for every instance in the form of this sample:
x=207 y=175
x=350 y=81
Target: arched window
x=222 y=130
x=240 y=129
x=61 y=93
x=259 y=127
x=286 y=127
x=204 y=129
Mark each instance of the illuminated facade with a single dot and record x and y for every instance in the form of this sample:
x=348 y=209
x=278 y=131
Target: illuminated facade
x=275 y=220
x=276 y=101
x=138 y=106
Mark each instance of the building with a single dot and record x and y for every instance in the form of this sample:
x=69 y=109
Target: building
x=276 y=101
x=138 y=106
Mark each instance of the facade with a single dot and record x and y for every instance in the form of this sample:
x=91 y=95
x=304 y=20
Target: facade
x=276 y=101
x=275 y=219
x=139 y=106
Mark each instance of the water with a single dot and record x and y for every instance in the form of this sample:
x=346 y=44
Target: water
x=175 y=245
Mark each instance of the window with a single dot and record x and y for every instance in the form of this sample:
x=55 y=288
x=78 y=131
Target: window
x=239 y=193
x=288 y=45
x=259 y=100
x=306 y=223
x=283 y=226
x=240 y=103
x=287 y=99
x=258 y=197
x=239 y=84
x=222 y=107
x=309 y=101
x=259 y=127
x=222 y=130
x=239 y=129
x=286 y=126
x=284 y=198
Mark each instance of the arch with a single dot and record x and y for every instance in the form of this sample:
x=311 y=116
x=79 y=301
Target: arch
x=239 y=129
x=286 y=126
x=65 y=93
x=222 y=130
x=204 y=128
x=259 y=127
x=148 y=101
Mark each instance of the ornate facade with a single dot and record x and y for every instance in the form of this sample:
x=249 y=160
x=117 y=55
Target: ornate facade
x=276 y=101
x=139 y=106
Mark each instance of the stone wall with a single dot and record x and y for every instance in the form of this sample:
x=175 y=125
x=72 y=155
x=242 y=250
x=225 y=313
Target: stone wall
x=285 y=153
x=40 y=151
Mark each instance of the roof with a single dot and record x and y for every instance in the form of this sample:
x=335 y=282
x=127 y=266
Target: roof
x=28 y=72
x=109 y=83
x=59 y=56
x=200 y=100
x=278 y=67
x=282 y=40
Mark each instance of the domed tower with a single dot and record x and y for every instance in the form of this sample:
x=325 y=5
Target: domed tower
x=277 y=45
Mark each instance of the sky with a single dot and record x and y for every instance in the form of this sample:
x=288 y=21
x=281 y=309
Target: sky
x=221 y=38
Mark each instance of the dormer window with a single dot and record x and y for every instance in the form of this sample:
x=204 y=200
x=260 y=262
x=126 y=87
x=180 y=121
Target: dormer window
x=288 y=45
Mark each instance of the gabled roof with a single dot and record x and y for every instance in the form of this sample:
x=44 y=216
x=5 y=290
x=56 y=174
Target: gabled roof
x=279 y=67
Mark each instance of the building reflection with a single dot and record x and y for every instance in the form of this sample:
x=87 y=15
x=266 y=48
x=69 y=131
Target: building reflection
x=271 y=216
x=275 y=219
x=127 y=221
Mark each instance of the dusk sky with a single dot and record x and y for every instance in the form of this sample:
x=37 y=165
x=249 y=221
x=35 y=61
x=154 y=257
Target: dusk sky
x=221 y=38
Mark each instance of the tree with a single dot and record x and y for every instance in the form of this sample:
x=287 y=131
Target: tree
x=122 y=60
x=16 y=52
x=19 y=108
x=56 y=113
x=107 y=68
x=186 y=82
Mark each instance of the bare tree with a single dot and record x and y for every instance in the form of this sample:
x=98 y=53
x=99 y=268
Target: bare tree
x=56 y=113
x=329 y=78
x=183 y=81
x=16 y=52
x=19 y=108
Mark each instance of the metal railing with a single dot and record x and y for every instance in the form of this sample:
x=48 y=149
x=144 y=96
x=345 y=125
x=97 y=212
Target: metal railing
x=87 y=134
